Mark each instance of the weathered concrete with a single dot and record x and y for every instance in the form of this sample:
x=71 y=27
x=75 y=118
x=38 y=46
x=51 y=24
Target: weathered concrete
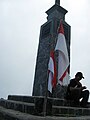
x=55 y=106
x=8 y=114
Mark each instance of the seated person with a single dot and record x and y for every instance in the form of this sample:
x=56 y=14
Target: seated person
x=76 y=91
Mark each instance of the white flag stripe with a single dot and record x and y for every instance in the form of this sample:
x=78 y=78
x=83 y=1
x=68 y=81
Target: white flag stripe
x=51 y=65
x=65 y=81
x=61 y=45
x=50 y=77
x=51 y=73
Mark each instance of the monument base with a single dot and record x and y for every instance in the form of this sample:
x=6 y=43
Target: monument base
x=33 y=105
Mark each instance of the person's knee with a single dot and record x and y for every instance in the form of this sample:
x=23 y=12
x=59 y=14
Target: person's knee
x=86 y=92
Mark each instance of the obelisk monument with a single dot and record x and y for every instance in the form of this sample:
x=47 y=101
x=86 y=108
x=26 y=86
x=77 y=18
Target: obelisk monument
x=47 y=41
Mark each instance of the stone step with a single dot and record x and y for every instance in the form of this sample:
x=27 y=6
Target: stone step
x=34 y=99
x=8 y=114
x=18 y=106
x=54 y=110
x=28 y=99
x=70 y=111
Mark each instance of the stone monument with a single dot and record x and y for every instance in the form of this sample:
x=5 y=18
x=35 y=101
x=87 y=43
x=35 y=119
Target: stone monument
x=47 y=41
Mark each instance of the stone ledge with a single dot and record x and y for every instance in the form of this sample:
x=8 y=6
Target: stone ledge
x=8 y=114
x=57 y=110
x=70 y=111
x=18 y=106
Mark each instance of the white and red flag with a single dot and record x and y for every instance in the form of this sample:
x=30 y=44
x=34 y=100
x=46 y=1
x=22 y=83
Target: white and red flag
x=63 y=60
x=52 y=72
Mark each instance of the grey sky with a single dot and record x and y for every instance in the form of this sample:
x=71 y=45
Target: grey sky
x=20 y=22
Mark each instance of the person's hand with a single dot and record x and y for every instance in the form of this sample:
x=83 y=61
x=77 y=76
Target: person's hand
x=84 y=87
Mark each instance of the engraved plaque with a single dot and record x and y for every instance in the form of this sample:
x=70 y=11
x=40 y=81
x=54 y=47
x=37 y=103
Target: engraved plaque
x=46 y=30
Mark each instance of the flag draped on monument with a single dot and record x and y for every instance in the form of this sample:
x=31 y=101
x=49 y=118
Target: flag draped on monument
x=52 y=72
x=63 y=60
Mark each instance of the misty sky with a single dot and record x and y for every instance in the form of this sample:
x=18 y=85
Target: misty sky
x=20 y=22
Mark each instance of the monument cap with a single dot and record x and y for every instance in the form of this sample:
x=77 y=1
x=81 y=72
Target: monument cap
x=79 y=74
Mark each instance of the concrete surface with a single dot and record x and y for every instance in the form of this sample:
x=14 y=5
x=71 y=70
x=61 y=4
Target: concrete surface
x=8 y=114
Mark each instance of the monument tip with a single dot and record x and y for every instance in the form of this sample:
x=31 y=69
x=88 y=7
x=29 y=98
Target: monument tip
x=57 y=2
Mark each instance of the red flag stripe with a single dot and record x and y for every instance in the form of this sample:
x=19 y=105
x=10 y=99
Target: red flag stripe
x=52 y=72
x=54 y=76
x=61 y=29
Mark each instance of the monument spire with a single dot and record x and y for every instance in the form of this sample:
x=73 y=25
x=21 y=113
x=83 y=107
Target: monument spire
x=57 y=2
